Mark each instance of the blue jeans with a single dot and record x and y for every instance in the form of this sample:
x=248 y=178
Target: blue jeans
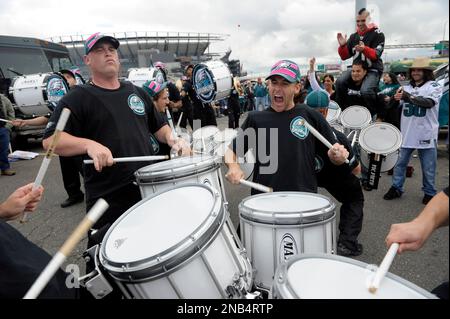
x=4 y=147
x=260 y=103
x=428 y=160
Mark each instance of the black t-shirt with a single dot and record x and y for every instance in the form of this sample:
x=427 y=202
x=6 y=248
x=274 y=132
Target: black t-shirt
x=21 y=263
x=123 y=120
x=174 y=93
x=352 y=96
x=187 y=105
x=330 y=174
x=446 y=191
x=296 y=147
x=233 y=102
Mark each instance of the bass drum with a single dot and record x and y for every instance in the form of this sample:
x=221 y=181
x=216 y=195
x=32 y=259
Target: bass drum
x=139 y=76
x=212 y=81
x=36 y=93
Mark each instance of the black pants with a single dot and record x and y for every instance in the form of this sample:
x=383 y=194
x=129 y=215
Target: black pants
x=349 y=193
x=188 y=117
x=71 y=169
x=233 y=119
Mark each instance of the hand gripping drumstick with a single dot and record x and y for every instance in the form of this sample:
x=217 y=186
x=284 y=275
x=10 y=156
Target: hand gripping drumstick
x=384 y=267
x=133 y=159
x=318 y=135
x=49 y=271
x=257 y=186
x=49 y=154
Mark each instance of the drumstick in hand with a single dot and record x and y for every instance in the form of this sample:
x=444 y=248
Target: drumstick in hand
x=384 y=267
x=83 y=227
x=49 y=154
x=318 y=135
x=6 y=121
x=134 y=159
x=262 y=188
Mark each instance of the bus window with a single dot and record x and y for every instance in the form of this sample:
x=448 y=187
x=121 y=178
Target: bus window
x=58 y=60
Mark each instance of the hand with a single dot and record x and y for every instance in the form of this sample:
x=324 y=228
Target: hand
x=234 y=174
x=379 y=120
x=399 y=95
x=360 y=47
x=410 y=236
x=312 y=63
x=100 y=154
x=181 y=147
x=19 y=123
x=342 y=39
x=22 y=199
x=338 y=154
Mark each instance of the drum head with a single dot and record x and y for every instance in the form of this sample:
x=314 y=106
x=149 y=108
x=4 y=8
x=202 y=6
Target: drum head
x=205 y=132
x=225 y=136
x=334 y=111
x=281 y=208
x=319 y=276
x=380 y=138
x=248 y=164
x=176 y=168
x=355 y=117
x=162 y=227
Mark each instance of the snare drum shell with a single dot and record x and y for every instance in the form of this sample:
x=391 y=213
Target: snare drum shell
x=391 y=155
x=270 y=241
x=336 y=277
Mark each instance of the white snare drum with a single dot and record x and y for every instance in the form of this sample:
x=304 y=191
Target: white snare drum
x=320 y=276
x=212 y=81
x=176 y=244
x=382 y=139
x=196 y=169
x=334 y=112
x=203 y=140
x=43 y=90
x=222 y=140
x=276 y=226
x=355 y=118
x=138 y=76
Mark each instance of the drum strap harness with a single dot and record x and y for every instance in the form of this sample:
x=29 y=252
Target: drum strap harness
x=375 y=169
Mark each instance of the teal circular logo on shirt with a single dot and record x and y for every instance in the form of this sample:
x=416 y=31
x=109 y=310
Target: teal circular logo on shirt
x=298 y=129
x=136 y=104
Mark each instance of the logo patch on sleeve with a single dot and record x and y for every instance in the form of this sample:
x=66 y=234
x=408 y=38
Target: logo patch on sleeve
x=136 y=104
x=297 y=129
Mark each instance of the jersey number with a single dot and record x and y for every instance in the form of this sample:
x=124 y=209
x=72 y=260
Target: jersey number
x=413 y=110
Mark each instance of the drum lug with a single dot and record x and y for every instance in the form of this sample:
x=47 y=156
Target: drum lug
x=95 y=282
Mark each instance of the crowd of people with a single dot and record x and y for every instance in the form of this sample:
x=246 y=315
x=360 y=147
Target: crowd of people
x=111 y=118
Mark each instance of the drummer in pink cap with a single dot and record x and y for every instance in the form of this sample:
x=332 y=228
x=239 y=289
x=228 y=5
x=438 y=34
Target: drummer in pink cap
x=285 y=150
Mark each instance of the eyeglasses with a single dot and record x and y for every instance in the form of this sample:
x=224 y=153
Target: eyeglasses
x=361 y=20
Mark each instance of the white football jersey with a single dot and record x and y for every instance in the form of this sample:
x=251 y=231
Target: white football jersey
x=420 y=125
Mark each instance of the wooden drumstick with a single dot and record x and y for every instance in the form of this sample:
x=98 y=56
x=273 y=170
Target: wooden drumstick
x=384 y=267
x=262 y=188
x=49 y=154
x=134 y=159
x=83 y=227
x=6 y=121
x=318 y=135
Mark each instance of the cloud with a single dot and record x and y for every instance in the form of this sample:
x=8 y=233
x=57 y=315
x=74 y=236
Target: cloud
x=260 y=31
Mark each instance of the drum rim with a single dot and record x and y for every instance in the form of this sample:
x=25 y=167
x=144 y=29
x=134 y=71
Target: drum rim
x=334 y=119
x=282 y=288
x=224 y=141
x=268 y=217
x=210 y=163
x=367 y=148
x=175 y=257
x=354 y=127
x=204 y=127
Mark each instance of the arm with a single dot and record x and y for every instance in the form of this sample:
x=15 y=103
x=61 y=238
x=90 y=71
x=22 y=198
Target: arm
x=38 y=121
x=412 y=235
x=164 y=135
x=421 y=101
x=235 y=173
x=343 y=50
x=69 y=145
x=22 y=199
x=10 y=115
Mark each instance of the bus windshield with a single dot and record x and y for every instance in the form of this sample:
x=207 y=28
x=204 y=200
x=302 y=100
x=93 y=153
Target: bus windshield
x=23 y=61
x=58 y=60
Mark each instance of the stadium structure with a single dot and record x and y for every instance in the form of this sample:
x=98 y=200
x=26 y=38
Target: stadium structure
x=141 y=49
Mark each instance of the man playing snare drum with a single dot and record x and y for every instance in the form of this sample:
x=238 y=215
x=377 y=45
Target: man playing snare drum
x=290 y=165
x=108 y=119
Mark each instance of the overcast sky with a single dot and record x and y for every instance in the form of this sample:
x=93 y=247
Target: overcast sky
x=261 y=31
